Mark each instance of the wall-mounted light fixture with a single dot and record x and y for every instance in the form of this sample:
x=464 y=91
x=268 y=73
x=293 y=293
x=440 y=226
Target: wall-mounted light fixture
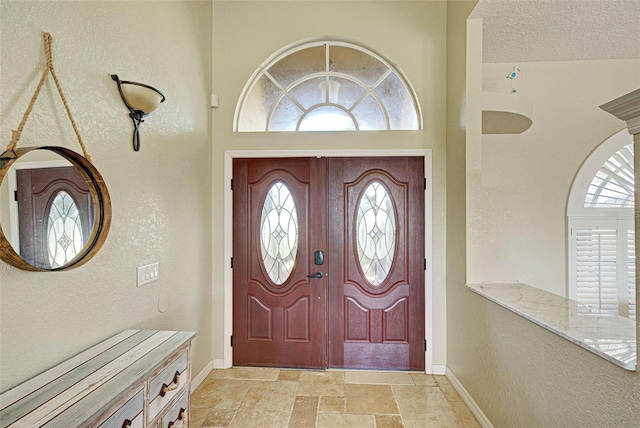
x=141 y=100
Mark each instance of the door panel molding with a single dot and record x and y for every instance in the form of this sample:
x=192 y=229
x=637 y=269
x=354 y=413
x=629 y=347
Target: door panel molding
x=294 y=330
x=260 y=325
x=430 y=320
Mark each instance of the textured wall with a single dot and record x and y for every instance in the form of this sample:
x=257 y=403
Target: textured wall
x=520 y=374
x=526 y=178
x=410 y=33
x=161 y=195
x=457 y=13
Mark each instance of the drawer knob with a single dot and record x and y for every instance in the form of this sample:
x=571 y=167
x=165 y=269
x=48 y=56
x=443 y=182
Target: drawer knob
x=166 y=388
x=126 y=423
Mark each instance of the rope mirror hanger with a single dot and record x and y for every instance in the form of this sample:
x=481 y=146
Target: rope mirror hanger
x=16 y=134
x=100 y=201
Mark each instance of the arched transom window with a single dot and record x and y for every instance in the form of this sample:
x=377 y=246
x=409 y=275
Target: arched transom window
x=327 y=85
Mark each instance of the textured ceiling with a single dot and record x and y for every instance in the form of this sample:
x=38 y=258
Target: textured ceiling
x=559 y=30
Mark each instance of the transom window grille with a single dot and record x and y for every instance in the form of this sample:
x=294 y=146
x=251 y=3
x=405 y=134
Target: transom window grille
x=64 y=230
x=602 y=232
x=279 y=233
x=612 y=185
x=327 y=85
x=376 y=233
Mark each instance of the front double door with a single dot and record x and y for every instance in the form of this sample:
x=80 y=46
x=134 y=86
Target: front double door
x=328 y=263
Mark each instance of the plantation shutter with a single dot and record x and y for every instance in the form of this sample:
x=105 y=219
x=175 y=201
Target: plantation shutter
x=631 y=262
x=603 y=265
x=596 y=273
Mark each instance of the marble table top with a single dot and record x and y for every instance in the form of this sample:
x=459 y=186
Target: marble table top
x=610 y=336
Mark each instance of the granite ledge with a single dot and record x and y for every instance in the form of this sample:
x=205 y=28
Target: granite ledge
x=609 y=336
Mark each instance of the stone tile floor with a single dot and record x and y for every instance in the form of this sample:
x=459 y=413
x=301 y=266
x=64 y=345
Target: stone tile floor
x=266 y=398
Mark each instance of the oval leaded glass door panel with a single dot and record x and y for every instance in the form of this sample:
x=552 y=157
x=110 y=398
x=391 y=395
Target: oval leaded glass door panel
x=376 y=233
x=64 y=230
x=279 y=233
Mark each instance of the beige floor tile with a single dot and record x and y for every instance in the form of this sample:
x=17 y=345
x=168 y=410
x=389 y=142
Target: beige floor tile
x=425 y=406
x=289 y=375
x=217 y=418
x=372 y=399
x=205 y=383
x=305 y=411
x=248 y=373
x=332 y=404
x=197 y=416
x=388 y=421
x=335 y=420
x=221 y=393
x=423 y=379
x=447 y=388
x=321 y=383
x=266 y=398
x=266 y=405
x=419 y=399
x=438 y=418
x=378 y=378
x=464 y=414
x=219 y=374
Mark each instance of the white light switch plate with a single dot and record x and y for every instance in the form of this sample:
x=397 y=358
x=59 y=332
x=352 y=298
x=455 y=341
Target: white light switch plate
x=148 y=273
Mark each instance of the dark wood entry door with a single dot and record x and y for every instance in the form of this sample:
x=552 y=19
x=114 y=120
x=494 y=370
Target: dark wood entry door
x=366 y=215
x=279 y=313
x=376 y=254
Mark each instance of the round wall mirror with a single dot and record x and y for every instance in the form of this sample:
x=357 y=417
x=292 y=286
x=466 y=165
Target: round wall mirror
x=55 y=210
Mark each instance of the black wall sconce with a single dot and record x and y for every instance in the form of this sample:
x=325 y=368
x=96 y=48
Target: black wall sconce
x=141 y=100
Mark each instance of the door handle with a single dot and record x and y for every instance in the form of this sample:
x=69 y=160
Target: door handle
x=315 y=275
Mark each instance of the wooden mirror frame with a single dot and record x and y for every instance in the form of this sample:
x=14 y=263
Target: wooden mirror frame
x=101 y=208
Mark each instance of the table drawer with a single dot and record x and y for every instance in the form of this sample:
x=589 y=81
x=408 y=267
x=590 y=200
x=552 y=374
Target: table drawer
x=129 y=415
x=170 y=382
x=177 y=415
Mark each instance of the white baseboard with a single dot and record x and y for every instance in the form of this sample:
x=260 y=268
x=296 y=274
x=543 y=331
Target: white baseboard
x=219 y=364
x=438 y=369
x=475 y=409
x=196 y=381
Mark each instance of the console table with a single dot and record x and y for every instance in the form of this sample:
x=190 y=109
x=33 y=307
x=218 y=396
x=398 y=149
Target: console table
x=138 y=378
